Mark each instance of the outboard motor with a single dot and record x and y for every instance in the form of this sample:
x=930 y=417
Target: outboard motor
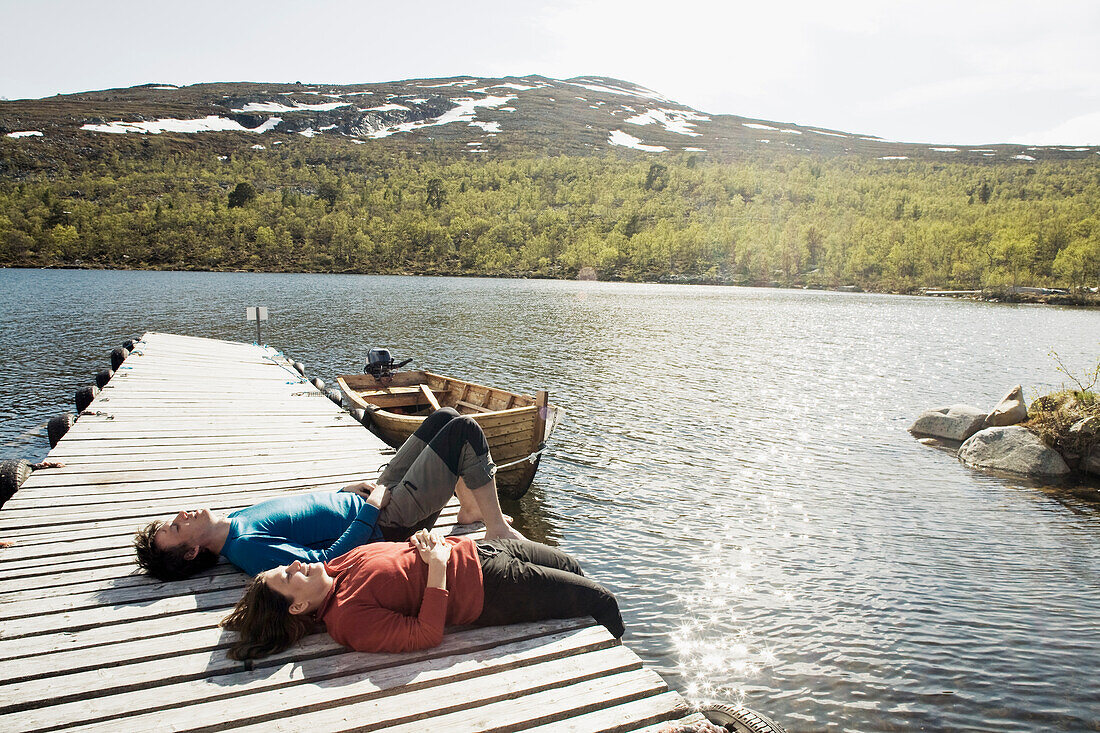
x=380 y=364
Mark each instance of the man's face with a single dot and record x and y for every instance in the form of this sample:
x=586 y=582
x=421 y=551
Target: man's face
x=186 y=529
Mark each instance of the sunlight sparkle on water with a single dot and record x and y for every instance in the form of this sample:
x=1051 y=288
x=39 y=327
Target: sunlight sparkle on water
x=717 y=652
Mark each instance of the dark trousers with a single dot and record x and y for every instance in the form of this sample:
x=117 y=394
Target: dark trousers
x=528 y=581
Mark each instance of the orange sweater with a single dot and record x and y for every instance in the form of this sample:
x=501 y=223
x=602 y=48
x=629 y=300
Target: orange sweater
x=380 y=601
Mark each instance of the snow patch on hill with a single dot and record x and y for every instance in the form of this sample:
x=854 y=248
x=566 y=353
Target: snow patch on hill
x=757 y=126
x=213 y=123
x=626 y=140
x=460 y=83
x=673 y=120
x=386 y=108
x=464 y=111
x=280 y=107
x=25 y=133
x=487 y=126
x=639 y=92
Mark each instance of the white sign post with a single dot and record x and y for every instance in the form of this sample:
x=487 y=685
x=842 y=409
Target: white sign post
x=257 y=314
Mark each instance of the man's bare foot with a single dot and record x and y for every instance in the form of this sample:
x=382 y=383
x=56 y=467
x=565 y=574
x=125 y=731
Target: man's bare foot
x=471 y=516
x=507 y=533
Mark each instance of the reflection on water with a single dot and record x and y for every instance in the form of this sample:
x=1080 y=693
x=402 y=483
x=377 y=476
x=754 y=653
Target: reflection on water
x=733 y=463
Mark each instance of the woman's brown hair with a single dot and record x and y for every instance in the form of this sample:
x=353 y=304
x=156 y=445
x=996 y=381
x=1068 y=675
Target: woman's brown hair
x=265 y=625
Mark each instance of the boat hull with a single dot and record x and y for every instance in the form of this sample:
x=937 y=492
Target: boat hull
x=515 y=426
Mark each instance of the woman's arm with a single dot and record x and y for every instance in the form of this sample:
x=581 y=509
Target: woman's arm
x=435 y=551
x=375 y=629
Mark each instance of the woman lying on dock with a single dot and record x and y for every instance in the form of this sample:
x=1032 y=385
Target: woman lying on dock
x=397 y=597
x=446 y=455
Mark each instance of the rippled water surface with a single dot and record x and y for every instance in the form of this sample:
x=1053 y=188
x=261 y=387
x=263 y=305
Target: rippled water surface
x=734 y=464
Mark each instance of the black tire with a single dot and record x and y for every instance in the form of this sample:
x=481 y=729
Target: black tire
x=129 y=344
x=12 y=475
x=359 y=414
x=58 y=426
x=300 y=368
x=318 y=383
x=335 y=395
x=740 y=720
x=103 y=377
x=118 y=356
x=84 y=397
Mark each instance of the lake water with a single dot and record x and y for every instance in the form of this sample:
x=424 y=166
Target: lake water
x=734 y=463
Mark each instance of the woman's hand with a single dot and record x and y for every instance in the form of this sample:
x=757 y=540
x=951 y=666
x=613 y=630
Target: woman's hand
x=435 y=551
x=433 y=547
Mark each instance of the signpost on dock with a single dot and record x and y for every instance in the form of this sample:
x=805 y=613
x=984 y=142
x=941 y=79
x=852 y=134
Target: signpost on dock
x=257 y=314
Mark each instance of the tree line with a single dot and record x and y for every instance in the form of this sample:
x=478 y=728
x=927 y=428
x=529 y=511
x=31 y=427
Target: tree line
x=318 y=206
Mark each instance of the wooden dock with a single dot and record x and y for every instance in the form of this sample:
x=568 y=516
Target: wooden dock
x=87 y=643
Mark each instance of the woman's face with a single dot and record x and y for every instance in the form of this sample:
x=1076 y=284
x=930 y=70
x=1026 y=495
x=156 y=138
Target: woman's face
x=299 y=583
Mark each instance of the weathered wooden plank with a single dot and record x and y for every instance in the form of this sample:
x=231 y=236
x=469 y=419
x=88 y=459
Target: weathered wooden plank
x=498 y=702
x=688 y=721
x=649 y=713
x=303 y=466
x=543 y=706
x=362 y=697
x=63 y=638
x=209 y=676
x=104 y=616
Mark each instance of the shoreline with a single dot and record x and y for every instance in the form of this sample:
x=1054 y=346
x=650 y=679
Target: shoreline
x=989 y=295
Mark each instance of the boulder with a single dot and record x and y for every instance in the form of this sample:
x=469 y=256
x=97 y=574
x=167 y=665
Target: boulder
x=957 y=422
x=1012 y=449
x=1010 y=410
x=1091 y=463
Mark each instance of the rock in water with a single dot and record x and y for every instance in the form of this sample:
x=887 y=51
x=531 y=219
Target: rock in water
x=1091 y=463
x=1012 y=449
x=957 y=422
x=1010 y=410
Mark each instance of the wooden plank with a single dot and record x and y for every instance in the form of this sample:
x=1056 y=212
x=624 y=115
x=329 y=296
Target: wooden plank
x=208 y=676
x=502 y=701
x=427 y=393
x=179 y=474
x=543 y=706
x=649 y=713
x=362 y=698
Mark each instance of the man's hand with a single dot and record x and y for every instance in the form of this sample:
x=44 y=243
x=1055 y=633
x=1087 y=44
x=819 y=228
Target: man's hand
x=363 y=488
x=369 y=489
x=379 y=496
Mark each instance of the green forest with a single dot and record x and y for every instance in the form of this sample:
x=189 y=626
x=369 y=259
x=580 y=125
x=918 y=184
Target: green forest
x=328 y=206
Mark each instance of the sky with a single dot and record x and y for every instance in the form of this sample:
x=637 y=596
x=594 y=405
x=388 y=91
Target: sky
x=964 y=72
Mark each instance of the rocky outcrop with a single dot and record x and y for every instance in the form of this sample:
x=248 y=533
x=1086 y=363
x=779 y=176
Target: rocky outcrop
x=1012 y=449
x=957 y=422
x=1011 y=410
x=1091 y=462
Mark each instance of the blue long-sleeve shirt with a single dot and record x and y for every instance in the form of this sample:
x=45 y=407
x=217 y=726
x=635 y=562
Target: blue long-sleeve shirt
x=308 y=527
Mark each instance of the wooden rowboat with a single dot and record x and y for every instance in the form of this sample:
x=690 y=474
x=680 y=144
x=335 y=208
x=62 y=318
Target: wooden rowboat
x=516 y=426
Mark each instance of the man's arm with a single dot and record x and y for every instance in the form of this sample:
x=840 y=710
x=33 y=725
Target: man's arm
x=255 y=553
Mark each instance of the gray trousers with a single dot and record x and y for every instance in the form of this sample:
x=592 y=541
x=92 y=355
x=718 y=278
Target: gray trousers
x=422 y=475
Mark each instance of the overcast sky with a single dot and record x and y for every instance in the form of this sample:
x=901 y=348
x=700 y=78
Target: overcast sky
x=929 y=71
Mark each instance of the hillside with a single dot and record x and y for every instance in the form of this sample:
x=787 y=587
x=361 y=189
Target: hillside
x=529 y=177
x=462 y=115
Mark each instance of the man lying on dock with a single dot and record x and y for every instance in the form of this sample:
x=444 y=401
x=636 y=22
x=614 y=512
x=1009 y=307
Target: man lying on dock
x=446 y=455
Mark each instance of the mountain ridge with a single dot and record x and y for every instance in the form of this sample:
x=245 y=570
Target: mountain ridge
x=466 y=115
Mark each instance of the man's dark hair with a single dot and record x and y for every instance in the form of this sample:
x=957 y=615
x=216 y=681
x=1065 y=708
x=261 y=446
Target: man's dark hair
x=168 y=564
